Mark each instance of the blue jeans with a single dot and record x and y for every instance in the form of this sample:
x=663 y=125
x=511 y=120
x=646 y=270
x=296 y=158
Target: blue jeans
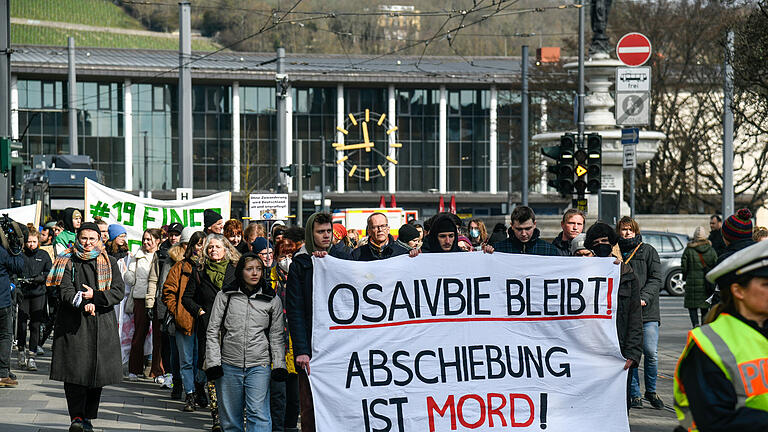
x=244 y=388
x=650 y=360
x=187 y=346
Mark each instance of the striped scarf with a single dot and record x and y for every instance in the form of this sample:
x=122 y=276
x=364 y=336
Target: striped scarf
x=103 y=267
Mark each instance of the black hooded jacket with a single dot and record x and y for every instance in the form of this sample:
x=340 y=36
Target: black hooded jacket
x=432 y=243
x=68 y=224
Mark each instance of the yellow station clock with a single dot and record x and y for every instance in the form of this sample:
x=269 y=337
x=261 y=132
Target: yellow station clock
x=369 y=145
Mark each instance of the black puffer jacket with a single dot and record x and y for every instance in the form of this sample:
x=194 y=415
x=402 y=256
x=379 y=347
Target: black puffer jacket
x=37 y=264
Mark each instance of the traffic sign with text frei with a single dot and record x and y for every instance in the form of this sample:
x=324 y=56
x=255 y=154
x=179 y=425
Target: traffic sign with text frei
x=633 y=49
x=633 y=96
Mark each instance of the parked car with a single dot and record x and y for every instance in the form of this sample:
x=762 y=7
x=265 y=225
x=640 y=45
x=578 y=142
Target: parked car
x=670 y=247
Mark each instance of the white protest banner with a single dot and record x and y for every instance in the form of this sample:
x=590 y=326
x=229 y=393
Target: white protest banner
x=467 y=341
x=137 y=214
x=24 y=214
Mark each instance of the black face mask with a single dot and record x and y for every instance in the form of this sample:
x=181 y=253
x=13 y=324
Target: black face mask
x=602 y=250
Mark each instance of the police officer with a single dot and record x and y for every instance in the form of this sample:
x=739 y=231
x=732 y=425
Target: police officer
x=721 y=382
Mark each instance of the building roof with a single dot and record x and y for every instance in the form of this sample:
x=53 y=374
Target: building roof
x=241 y=66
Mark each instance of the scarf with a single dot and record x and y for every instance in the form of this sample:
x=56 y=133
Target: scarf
x=216 y=271
x=103 y=267
x=629 y=244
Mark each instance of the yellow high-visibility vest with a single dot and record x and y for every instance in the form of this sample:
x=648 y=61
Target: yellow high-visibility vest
x=740 y=351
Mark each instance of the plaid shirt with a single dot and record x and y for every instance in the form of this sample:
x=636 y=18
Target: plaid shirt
x=535 y=246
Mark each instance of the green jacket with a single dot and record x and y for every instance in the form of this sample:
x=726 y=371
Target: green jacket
x=694 y=272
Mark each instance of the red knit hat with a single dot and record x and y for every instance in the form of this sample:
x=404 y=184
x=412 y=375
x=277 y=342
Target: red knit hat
x=340 y=232
x=738 y=226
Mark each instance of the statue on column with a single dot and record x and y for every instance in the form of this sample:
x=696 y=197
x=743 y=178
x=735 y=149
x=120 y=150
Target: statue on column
x=599 y=20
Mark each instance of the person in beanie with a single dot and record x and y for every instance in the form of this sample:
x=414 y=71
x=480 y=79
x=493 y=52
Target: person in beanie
x=737 y=233
x=299 y=308
x=601 y=239
x=698 y=258
x=86 y=345
x=263 y=248
x=72 y=220
x=645 y=262
x=443 y=236
x=213 y=223
x=174 y=234
x=408 y=237
x=719 y=383
x=579 y=247
x=118 y=241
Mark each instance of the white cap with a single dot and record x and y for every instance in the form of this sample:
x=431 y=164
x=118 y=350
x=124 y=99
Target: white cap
x=750 y=260
x=186 y=234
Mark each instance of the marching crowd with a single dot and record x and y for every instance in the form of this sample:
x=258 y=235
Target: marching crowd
x=229 y=308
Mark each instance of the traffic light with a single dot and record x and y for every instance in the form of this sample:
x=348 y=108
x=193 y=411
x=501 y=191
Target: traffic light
x=289 y=170
x=309 y=170
x=594 y=162
x=563 y=169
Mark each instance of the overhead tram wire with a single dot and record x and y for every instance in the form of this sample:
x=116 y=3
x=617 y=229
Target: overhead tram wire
x=265 y=28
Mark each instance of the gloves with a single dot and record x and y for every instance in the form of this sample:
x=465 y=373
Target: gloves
x=214 y=373
x=279 y=374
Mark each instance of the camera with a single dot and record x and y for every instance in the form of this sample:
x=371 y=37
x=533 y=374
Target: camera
x=12 y=237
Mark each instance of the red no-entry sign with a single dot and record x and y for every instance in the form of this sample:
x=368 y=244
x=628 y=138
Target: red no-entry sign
x=633 y=49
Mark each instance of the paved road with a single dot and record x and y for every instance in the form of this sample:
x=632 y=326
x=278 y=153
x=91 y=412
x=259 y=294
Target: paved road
x=38 y=404
x=674 y=327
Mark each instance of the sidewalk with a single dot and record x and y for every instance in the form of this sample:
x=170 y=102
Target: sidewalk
x=38 y=404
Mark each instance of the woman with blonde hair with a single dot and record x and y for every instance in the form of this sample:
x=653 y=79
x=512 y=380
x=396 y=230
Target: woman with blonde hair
x=698 y=258
x=216 y=269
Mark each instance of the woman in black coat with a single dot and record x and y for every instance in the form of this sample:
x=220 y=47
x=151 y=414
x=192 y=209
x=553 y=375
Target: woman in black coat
x=37 y=264
x=86 y=345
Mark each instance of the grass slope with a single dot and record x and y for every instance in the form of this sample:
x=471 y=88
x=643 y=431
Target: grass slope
x=101 y=13
x=36 y=35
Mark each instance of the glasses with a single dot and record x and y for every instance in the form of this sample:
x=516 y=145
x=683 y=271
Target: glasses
x=89 y=240
x=266 y=254
x=379 y=227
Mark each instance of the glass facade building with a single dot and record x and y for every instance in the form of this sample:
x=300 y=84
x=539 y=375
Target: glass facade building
x=436 y=120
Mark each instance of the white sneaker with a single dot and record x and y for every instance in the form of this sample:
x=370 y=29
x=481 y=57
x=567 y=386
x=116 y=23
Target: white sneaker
x=160 y=380
x=31 y=365
x=132 y=377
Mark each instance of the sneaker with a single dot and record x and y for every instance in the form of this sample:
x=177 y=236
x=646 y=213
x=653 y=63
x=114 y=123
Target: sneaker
x=87 y=425
x=8 y=382
x=189 y=403
x=22 y=363
x=40 y=351
x=31 y=365
x=76 y=425
x=636 y=403
x=133 y=377
x=160 y=380
x=655 y=400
